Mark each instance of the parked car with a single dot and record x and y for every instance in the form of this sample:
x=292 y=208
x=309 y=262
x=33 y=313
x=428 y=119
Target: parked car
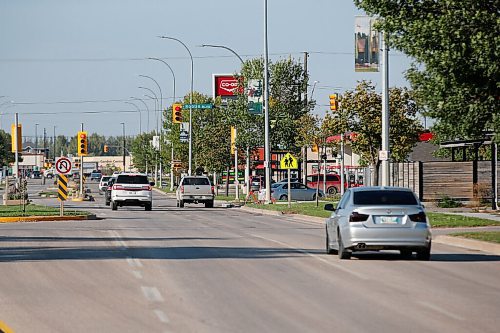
x=103 y=183
x=332 y=183
x=292 y=180
x=95 y=175
x=132 y=189
x=279 y=191
x=378 y=218
x=195 y=189
x=107 y=192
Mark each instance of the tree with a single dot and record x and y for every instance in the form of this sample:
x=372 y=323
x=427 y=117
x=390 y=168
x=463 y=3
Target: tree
x=6 y=156
x=456 y=46
x=287 y=82
x=360 y=112
x=142 y=151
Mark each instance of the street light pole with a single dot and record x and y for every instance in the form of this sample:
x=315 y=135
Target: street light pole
x=267 y=148
x=123 y=129
x=171 y=141
x=385 y=112
x=147 y=108
x=54 y=145
x=247 y=167
x=161 y=99
x=36 y=144
x=190 y=102
x=156 y=153
x=157 y=106
x=139 y=110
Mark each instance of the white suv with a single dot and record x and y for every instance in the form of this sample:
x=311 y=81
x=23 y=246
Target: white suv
x=132 y=189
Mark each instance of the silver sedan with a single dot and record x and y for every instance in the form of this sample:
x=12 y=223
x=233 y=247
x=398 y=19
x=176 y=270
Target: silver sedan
x=378 y=218
x=299 y=191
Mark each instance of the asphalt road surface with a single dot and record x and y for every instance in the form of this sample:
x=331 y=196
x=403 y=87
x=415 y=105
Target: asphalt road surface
x=197 y=269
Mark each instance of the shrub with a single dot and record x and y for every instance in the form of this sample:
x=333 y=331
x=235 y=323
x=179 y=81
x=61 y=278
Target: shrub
x=447 y=202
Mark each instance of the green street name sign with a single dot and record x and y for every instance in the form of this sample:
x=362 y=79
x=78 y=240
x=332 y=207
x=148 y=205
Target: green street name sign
x=197 y=106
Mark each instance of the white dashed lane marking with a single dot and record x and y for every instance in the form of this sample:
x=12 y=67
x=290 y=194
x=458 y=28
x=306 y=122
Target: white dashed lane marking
x=161 y=316
x=134 y=262
x=137 y=274
x=152 y=294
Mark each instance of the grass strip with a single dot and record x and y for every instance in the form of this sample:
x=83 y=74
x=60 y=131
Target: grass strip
x=486 y=236
x=36 y=210
x=437 y=220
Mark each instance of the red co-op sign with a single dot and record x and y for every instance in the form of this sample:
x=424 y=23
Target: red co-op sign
x=225 y=85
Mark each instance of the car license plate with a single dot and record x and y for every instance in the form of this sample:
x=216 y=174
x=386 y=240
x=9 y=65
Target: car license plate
x=131 y=192
x=388 y=219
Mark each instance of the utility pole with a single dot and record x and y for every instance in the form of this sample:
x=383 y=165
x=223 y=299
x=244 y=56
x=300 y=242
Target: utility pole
x=81 y=166
x=16 y=137
x=54 y=144
x=385 y=112
x=123 y=127
x=304 y=149
x=44 y=145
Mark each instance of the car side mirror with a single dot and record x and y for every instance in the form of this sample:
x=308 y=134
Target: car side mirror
x=329 y=207
x=152 y=183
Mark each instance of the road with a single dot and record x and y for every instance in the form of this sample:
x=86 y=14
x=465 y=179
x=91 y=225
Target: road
x=224 y=270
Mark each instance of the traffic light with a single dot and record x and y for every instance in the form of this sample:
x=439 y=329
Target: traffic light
x=106 y=148
x=177 y=113
x=177 y=165
x=333 y=102
x=76 y=163
x=82 y=143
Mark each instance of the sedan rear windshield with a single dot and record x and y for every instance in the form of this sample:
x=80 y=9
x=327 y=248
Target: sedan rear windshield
x=196 y=181
x=132 y=179
x=384 y=198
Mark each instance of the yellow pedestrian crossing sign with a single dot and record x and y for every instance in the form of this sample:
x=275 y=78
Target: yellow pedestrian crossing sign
x=289 y=162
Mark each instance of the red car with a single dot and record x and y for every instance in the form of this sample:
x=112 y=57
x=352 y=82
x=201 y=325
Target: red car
x=332 y=183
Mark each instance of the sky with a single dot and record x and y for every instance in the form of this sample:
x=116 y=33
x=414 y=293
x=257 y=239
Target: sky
x=67 y=62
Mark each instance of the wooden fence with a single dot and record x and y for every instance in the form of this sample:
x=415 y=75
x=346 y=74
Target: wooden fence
x=434 y=180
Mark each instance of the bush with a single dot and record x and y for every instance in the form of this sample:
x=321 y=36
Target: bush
x=447 y=202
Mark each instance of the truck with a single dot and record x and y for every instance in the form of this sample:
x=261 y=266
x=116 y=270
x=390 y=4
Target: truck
x=195 y=189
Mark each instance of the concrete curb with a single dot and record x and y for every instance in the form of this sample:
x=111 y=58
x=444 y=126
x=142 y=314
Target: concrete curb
x=47 y=218
x=470 y=244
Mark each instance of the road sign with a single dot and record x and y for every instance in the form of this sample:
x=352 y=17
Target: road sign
x=198 y=106
x=63 y=166
x=289 y=162
x=184 y=132
x=62 y=191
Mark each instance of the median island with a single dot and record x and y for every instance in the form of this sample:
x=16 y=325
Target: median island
x=33 y=213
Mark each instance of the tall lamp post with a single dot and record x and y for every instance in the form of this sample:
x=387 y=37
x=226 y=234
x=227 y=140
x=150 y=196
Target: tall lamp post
x=54 y=145
x=160 y=105
x=156 y=106
x=147 y=108
x=123 y=131
x=247 y=168
x=138 y=110
x=161 y=126
x=267 y=148
x=190 y=102
x=171 y=143
x=36 y=145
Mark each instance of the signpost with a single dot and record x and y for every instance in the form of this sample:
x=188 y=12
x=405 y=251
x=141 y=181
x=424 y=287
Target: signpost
x=289 y=162
x=63 y=167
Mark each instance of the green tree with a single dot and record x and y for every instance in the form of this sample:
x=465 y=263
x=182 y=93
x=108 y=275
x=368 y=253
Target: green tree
x=360 y=112
x=6 y=156
x=287 y=82
x=456 y=46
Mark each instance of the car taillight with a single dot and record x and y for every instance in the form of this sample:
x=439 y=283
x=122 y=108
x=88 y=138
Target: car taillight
x=420 y=217
x=357 y=217
x=117 y=187
x=182 y=188
x=213 y=190
x=147 y=188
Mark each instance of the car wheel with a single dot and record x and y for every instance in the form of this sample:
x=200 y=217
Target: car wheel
x=284 y=197
x=424 y=254
x=343 y=253
x=148 y=206
x=114 y=205
x=181 y=203
x=332 y=190
x=405 y=253
x=329 y=250
x=209 y=204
